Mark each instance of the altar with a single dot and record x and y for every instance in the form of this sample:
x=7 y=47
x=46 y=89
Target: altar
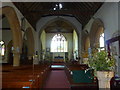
x=58 y=59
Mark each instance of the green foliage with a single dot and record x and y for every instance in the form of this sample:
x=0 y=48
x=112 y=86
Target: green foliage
x=101 y=62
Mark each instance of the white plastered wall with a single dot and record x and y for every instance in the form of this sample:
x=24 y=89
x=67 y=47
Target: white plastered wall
x=108 y=14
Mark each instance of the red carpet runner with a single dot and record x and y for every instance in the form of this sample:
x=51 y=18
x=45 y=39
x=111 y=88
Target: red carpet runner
x=57 y=79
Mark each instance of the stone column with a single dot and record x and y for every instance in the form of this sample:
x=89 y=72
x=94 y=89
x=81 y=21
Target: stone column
x=16 y=59
x=79 y=47
x=16 y=56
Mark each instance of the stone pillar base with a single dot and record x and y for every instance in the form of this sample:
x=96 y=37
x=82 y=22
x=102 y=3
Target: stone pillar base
x=104 y=78
x=16 y=59
x=35 y=60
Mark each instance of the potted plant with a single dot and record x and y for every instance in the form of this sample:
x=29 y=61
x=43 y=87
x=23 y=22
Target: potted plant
x=104 y=67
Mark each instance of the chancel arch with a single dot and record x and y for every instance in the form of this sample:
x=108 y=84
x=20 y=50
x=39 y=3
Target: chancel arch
x=10 y=13
x=71 y=20
x=59 y=26
x=41 y=24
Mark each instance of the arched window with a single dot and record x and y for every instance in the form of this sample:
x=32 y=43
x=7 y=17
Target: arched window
x=59 y=43
x=101 y=41
x=2 y=48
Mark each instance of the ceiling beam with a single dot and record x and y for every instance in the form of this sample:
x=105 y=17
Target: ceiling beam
x=25 y=12
x=82 y=11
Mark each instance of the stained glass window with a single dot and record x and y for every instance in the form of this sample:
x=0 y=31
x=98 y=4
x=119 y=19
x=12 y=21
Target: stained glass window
x=2 y=48
x=59 y=43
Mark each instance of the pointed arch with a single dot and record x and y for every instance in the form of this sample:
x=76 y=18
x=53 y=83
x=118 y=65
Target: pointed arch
x=46 y=20
x=97 y=29
x=10 y=13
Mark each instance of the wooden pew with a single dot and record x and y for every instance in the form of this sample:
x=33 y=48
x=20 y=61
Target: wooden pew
x=15 y=84
x=79 y=67
x=23 y=76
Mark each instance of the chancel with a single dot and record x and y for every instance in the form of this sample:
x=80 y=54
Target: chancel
x=61 y=45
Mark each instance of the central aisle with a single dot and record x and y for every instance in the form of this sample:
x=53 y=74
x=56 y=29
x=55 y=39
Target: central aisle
x=57 y=79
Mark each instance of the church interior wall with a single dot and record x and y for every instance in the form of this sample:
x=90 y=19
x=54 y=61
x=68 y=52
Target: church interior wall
x=108 y=14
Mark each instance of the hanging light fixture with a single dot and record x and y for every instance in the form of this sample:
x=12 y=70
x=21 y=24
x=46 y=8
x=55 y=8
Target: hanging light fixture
x=58 y=6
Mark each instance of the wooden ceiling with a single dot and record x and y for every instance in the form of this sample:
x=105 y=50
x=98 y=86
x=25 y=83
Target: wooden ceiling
x=82 y=11
x=59 y=26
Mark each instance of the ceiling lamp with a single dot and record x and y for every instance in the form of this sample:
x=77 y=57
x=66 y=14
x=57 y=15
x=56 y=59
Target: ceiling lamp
x=58 y=6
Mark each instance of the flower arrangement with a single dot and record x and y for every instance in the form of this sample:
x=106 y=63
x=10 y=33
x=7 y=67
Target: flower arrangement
x=100 y=61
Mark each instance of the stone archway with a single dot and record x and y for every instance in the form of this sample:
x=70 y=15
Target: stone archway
x=96 y=29
x=62 y=19
x=10 y=13
x=71 y=20
x=30 y=42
